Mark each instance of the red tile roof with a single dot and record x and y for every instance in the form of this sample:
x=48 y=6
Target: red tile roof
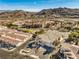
x=13 y=36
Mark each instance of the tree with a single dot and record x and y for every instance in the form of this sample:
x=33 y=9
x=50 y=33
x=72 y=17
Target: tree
x=74 y=37
x=56 y=43
x=34 y=35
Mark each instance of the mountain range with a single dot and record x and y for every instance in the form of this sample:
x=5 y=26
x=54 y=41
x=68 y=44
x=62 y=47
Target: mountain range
x=45 y=13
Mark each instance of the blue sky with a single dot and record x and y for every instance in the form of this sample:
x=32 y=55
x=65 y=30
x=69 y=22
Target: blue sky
x=36 y=5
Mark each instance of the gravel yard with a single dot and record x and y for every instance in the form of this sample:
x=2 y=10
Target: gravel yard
x=50 y=35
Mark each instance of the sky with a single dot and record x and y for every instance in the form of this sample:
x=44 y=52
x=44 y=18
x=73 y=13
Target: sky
x=37 y=5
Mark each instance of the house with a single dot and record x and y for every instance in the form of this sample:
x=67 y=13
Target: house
x=14 y=37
